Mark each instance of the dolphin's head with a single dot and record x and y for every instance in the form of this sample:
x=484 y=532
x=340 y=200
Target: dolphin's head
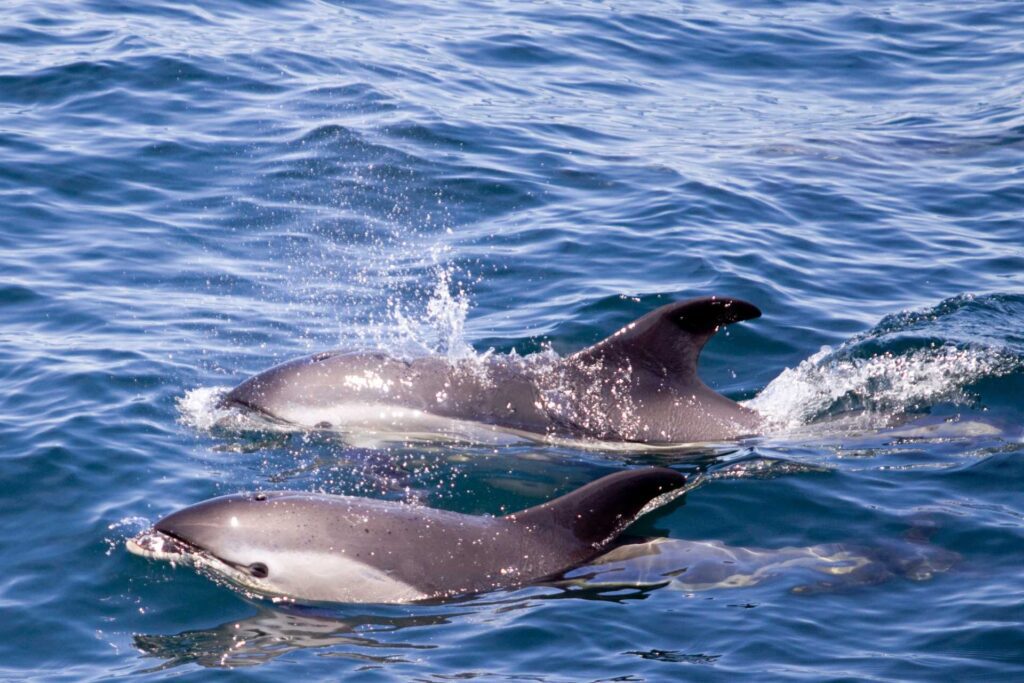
x=279 y=390
x=248 y=539
x=332 y=388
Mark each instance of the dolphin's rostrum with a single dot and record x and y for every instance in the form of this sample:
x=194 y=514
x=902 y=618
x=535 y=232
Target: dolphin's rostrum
x=638 y=385
x=324 y=548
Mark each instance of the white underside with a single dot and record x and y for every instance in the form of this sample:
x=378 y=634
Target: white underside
x=365 y=424
x=384 y=422
x=303 y=576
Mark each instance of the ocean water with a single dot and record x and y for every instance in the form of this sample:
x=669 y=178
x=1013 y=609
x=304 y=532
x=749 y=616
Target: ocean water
x=192 y=192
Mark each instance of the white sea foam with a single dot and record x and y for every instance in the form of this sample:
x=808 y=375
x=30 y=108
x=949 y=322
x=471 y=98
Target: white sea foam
x=200 y=408
x=877 y=388
x=123 y=529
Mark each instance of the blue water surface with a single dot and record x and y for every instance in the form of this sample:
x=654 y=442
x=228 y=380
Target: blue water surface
x=191 y=192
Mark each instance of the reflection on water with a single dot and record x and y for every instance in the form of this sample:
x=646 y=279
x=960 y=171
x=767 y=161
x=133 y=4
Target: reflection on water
x=271 y=633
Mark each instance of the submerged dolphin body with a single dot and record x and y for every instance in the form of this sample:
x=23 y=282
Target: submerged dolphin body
x=692 y=565
x=638 y=385
x=322 y=548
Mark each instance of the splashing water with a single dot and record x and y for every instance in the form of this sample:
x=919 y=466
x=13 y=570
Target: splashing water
x=198 y=408
x=123 y=529
x=909 y=362
x=440 y=327
x=882 y=387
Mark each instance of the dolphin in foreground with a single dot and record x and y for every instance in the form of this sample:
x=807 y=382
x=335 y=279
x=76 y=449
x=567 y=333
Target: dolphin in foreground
x=311 y=547
x=638 y=385
x=630 y=571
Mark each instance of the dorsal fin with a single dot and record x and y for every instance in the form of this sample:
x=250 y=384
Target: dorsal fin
x=668 y=340
x=598 y=512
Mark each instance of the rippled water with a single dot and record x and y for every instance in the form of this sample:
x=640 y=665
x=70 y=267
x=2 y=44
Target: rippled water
x=193 y=192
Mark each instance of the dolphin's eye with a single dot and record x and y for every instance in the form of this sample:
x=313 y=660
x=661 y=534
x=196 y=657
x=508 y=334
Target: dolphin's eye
x=260 y=496
x=259 y=570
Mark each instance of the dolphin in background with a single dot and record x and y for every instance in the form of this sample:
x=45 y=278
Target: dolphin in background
x=314 y=547
x=639 y=385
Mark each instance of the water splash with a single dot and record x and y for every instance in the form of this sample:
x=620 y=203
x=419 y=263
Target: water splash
x=439 y=326
x=909 y=362
x=123 y=529
x=879 y=388
x=200 y=408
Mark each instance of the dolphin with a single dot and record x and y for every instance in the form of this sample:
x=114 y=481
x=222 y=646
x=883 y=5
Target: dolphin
x=638 y=385
x=630 y=571
x=701 y=565
x=311 y=547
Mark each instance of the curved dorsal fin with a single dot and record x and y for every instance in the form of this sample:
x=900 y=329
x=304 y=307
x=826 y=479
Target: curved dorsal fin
x=668 y=340
x=597 y=512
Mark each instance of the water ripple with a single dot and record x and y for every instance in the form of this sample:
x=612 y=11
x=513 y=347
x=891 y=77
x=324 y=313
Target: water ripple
x=194 y=192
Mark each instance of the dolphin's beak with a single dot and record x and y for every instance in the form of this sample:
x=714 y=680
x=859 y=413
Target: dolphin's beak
x=176 y=537
x=242 y=396
x=156 y=545
x=248 y=397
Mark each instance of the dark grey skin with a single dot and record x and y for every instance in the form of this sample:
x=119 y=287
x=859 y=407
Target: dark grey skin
x=322 y=548
x=638 y=385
